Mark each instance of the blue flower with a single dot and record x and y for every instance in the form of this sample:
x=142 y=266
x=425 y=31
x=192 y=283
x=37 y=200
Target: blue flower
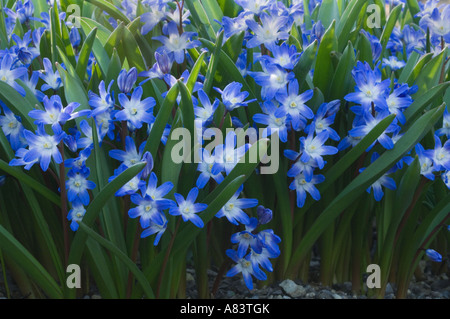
x=437 y=23
x=12 y=128
x=244 y=266
x=205 y=168
x=148 y=210
x=246 y=239
x=9 y=75
x=76 y=214
x=176 y=44
x=324 y=118
x=232 y=97
x=78 y=185
x=162 y=67
x=130 y=156
x=398 y=101
x=383 y=181
x=307 y=168
x=232 y=26
x=187 y=208
x=19 y=161
x=55 y=114
x=274 y=118
x=233 y=209
x=155 y=229
x=103 y=102
x=52 y=78
x=302 y=186
x=157 y=192
x=369 y=88
x=78 y=163
x=152 y=18
x=365 y=124
x=426 y=163
x=393 y=63
x=440 y=154
x=283 y=55
x=43 y=147
x=31 y=83
x=273 y=79
x=433 y=255
x=131 y=187
x=228 y=155
x=445 y=129
x=313 y=147
x=254 y=6
x=270 y=241
x=24 y=53
x=24 y=11
x=135 y=111
x=268 y=32
x=206 y=111
x=414 y=39
x=293 y=104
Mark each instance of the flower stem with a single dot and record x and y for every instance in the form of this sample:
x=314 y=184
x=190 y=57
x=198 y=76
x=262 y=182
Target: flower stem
x=166 y=258
x=62 y=187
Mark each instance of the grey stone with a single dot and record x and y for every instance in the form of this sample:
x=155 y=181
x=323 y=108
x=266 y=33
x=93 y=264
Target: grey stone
x=292 y=289
x=389 y=289
x=325 y=294
x=96 y=297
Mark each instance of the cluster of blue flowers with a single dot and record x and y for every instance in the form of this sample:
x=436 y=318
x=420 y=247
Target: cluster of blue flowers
x=284 y=109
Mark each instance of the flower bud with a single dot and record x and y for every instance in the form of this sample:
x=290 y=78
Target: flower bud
x=164 y=62
x=434 y=255
x=126 y=80
x=149 y=165
x=264 y=214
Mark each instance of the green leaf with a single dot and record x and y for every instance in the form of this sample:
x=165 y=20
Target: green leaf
x=390 y=24
x=157 y=130
x=200 y=19
x=132 y=51
x=342 y=78
x=429 y=75
x=31 y=182
x=83 y=58
x=16 y=251
x=305 y=63
x=111 y=9
x=94 y=209
x=348 y=20
x=328 y=11
x=414 y=8
x=17 y=104
x=122 y=256
x=418 y=67
x=212 y=66
x=193 y=75
x=324 y=66
x=100 y=41
x=420 y=103
x=408 y=68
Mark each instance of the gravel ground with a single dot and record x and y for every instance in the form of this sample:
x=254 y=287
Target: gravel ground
x=429 y=287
